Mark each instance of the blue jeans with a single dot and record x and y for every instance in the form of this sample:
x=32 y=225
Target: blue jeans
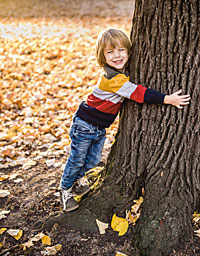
x=87 y=143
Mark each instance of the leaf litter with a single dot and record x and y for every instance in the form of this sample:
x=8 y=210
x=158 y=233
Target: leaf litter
x=47 y=68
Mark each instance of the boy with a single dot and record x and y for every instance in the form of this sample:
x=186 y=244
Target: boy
x=99 y=111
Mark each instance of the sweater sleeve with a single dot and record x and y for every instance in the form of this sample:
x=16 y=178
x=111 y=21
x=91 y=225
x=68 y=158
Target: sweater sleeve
x=120 y=85
x=153 y=97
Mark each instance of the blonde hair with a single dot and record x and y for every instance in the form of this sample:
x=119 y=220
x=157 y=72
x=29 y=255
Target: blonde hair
x=111 y=36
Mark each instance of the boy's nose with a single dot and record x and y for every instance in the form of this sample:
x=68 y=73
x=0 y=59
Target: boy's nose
x=116 y=53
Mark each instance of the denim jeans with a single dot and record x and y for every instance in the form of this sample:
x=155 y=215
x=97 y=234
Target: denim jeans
x=87 y=143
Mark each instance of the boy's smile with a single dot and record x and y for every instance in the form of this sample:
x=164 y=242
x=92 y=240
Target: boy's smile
x=116 y=57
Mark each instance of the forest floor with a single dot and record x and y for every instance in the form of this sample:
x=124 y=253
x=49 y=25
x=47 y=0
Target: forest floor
x=47 y=66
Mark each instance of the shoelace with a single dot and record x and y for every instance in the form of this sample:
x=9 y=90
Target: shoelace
x=66 y=194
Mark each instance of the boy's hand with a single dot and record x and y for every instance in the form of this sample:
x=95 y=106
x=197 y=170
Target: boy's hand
x=177 y=100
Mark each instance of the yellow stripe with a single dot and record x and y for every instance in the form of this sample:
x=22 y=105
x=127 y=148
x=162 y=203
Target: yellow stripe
x=114 y=84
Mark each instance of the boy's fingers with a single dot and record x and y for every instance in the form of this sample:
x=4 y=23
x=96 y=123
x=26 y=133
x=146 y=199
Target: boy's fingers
x=186 y=99
x=179 y=91
x=185 y=103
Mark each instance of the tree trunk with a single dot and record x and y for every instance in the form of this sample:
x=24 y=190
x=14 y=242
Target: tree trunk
x=157 y=147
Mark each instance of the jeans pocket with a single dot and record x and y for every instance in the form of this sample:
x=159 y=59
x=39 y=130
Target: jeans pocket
x=81 y=130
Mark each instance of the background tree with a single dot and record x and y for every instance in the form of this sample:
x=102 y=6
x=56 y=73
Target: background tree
x=157 y=147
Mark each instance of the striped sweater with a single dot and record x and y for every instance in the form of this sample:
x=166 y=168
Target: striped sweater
x=104 y=103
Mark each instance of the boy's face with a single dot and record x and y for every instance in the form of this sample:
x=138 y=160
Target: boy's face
x=116 y=57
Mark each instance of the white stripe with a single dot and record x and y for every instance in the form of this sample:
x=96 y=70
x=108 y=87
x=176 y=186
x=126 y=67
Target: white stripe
x=127 y=89
x=109 y=96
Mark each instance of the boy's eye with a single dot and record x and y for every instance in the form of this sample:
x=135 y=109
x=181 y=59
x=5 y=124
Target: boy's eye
x=122 y=49
x=110 y=51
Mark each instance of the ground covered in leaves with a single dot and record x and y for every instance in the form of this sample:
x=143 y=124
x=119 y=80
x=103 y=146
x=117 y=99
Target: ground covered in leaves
x=47 y=66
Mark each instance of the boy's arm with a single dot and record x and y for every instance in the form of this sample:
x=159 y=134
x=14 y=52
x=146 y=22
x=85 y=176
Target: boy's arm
x=177 y=100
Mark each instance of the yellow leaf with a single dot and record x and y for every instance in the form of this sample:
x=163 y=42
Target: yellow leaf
x=139 y=201
x=4 y=177
x=120 y=254
x=196 y=217
x=115 y=221
x=58 y=247
x=119 y=224
x=2 y=230
x=135 y=208
x=16 y=233
x=46 y=240
x=122 y=228
x=133 y=218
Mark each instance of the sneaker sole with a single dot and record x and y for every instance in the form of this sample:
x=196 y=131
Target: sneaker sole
x=71 y=209
x=81 y=194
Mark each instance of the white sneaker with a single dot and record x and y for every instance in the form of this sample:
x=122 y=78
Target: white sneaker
x=67 y=200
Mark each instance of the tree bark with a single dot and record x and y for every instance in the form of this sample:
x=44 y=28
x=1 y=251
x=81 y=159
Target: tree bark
x=157 y=146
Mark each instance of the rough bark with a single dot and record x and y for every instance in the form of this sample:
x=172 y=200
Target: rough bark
x=157 y=147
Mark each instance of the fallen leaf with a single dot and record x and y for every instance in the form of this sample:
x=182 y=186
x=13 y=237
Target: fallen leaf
x=139 y=201
x=120 y=254
x=2 y=230
x=46 y=240
x=16 y=233
x=4 y=177
x=119 y=224
x=197 y=232
x=122 y=228
x=52 y=250
x=18 y=180
x=28 y=164
x=4 y=193
x=30 y=243
x=196 y=217
x=3 y=214
x=102 y=226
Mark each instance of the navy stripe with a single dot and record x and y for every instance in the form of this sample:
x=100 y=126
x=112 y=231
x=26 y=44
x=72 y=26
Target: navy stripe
x=94 y=116
x=153 y=97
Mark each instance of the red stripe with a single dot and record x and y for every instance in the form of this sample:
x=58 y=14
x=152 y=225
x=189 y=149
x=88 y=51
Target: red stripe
x=138 y=94
x=103 y=105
